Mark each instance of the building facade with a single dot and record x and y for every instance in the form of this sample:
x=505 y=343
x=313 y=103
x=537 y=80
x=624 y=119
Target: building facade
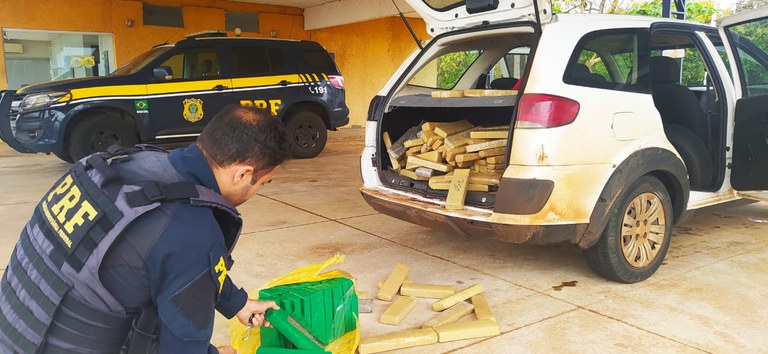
x=45 y=40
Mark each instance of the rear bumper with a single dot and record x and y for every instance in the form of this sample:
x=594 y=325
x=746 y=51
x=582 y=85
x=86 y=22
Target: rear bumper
x=469 y=222
x=339 y=117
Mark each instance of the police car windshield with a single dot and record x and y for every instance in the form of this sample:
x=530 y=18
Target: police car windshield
x=139 y=62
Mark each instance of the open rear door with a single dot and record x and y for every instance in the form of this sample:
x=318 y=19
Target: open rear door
x=449 y=15
x=748 y=53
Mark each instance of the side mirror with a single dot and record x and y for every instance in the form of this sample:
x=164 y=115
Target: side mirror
x=162 y=73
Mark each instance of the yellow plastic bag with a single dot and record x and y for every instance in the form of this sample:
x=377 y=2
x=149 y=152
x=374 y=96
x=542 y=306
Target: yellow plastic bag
x=346 y=344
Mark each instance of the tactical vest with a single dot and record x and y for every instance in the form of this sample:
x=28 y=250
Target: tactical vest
x=52 y=298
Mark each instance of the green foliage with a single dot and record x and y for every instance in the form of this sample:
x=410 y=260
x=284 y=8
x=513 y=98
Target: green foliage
x=451 y=67
x=755 y=33
x=594 y=63
x=694 y=73
x=645 y=8
x=744 y=5
x=702 y=11
x=697 y=11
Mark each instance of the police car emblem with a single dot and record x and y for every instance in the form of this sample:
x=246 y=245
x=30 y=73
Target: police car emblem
x=193 y=109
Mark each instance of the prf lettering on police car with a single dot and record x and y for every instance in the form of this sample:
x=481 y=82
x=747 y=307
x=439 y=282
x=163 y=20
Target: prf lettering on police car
x=67 y=196
x=274 y=105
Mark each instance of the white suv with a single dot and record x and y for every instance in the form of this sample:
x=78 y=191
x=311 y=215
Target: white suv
x=621 y=125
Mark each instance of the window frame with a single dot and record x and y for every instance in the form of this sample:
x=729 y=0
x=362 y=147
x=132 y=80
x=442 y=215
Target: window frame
x=216 y=48
x=300 y=58
x=696 y=32
x=736 y=49
x=642 y=85
x=437 y=87
x=177 y=18
x=510 y=69
x=246 y=21
x=286 y=68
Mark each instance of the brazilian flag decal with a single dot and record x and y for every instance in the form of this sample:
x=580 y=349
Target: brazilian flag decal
x=141 y=105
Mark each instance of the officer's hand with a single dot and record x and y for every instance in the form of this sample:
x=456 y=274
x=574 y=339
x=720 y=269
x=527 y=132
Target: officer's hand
x=257 y=309
x=225 y=349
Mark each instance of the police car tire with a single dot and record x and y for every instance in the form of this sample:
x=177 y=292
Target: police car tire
x=307 y=134
x=64 y=156
x=97 y=133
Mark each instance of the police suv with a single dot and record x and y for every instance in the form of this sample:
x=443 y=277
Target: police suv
x=173 y=90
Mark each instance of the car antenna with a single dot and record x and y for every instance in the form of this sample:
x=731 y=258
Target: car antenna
x=169 y=38
x=413 y=34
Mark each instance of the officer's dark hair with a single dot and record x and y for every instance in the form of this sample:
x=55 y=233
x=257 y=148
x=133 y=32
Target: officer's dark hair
x=244 y=135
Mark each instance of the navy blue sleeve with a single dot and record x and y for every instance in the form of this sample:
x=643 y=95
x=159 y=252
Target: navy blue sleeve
x=187 y=273
x=231 y=299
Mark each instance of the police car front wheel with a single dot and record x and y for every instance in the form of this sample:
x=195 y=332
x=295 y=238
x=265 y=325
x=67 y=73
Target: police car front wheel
x=97 y=133
x=64 y=156
x=307 y=134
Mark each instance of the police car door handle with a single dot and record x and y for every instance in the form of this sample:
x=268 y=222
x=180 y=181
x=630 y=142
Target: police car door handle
x=220 y=87
x=283 y=83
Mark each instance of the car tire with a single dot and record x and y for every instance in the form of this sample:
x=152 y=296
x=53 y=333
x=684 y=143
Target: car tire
x=634 y=242
x=307 y=134
x=64 y=156
x=97 y=133
x=694 y=153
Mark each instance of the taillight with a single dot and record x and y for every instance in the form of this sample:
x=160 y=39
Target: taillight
x=337 y=81
x=545 y=111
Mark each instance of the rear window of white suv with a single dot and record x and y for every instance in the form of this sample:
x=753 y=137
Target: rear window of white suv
x=442 y=5
x=610 y=59
x=445 y=71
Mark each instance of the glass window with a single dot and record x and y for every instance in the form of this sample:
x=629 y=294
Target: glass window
x=136 y=64
x=33 y=56
x=245 y=21
x=442 y=5
x=511 y=65
x=445 y=71
x=751 y=41
x=157 y=15
x=612 y=59
x=251 y=61
x=318 y=60
x=277 y=59
x=194 y=63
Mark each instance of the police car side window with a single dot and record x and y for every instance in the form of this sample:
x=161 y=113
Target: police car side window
x=193 y=63
x=276 y=58
x=317 y=60
x=252 y=61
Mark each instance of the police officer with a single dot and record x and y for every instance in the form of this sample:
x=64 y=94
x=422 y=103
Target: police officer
x=129 y=252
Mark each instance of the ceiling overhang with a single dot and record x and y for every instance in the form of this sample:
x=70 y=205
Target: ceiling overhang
x=329 y=13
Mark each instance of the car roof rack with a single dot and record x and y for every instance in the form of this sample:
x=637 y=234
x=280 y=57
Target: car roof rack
x=207 y=34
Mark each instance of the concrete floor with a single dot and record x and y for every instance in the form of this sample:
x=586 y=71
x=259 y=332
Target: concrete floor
x=709 y=296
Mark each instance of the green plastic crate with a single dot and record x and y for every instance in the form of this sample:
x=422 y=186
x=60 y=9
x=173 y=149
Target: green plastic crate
x=313 y=305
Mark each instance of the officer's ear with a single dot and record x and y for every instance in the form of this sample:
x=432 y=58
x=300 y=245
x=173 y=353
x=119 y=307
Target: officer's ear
x=242 y=172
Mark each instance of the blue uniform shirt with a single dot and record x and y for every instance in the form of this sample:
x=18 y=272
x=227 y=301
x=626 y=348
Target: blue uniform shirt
x=177 y=257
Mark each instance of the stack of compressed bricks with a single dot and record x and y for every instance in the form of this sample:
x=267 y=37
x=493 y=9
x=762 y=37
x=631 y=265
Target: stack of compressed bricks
x=453 y=156
x=443 y=327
